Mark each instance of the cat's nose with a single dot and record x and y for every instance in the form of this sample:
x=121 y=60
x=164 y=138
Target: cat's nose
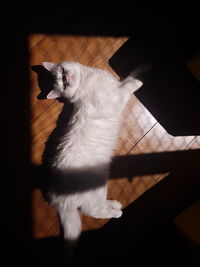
x=65 y=78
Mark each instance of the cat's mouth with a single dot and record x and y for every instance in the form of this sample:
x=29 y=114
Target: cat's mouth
x=66 y=84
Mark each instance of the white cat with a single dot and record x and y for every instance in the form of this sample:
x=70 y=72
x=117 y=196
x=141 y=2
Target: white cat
x=80 y=164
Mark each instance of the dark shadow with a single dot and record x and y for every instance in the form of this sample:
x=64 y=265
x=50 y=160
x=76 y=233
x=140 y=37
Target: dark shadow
x=16 y=222
x=145 y=234
x=170 y=91
x=47 y=252
x=136 y=165
x=45 y=80
x=171 y=94
x=127 y=166
x=68 y=182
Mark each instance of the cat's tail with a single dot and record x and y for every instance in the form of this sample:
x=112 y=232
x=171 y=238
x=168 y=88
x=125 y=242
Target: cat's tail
x=71 y=224
x=138 y=72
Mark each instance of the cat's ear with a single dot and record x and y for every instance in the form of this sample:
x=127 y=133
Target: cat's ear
x=53 y=94
x=48 y=65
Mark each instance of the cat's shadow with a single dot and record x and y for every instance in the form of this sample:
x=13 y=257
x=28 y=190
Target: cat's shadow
x=45 y=83
x=45 y=80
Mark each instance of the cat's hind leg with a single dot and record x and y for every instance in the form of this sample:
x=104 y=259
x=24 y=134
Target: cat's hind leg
x=108 y=209
x=114 y=204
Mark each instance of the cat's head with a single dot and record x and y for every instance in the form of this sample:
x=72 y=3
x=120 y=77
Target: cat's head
x=66 y=76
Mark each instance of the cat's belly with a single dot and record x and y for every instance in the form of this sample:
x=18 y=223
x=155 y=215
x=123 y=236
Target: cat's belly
x=89 y=144
x=86 y=156
x=88 y=152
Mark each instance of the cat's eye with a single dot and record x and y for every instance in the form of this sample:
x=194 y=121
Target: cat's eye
x=62 y=70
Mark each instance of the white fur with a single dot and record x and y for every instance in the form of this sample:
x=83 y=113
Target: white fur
x=81 y=161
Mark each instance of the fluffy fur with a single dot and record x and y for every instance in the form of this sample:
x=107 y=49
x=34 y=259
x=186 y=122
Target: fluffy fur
x=80 y=163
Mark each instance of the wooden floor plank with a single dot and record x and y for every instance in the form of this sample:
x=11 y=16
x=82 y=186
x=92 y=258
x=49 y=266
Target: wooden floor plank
x=44 y=217
x=136 y=122
x=34 y=39
x=41 y=129
x=195 y=143
x=158 y=140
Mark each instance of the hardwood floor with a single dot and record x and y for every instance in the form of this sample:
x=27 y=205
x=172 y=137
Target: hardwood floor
x=141 y=133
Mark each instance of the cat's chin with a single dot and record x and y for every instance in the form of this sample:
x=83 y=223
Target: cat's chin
x=69 y=93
